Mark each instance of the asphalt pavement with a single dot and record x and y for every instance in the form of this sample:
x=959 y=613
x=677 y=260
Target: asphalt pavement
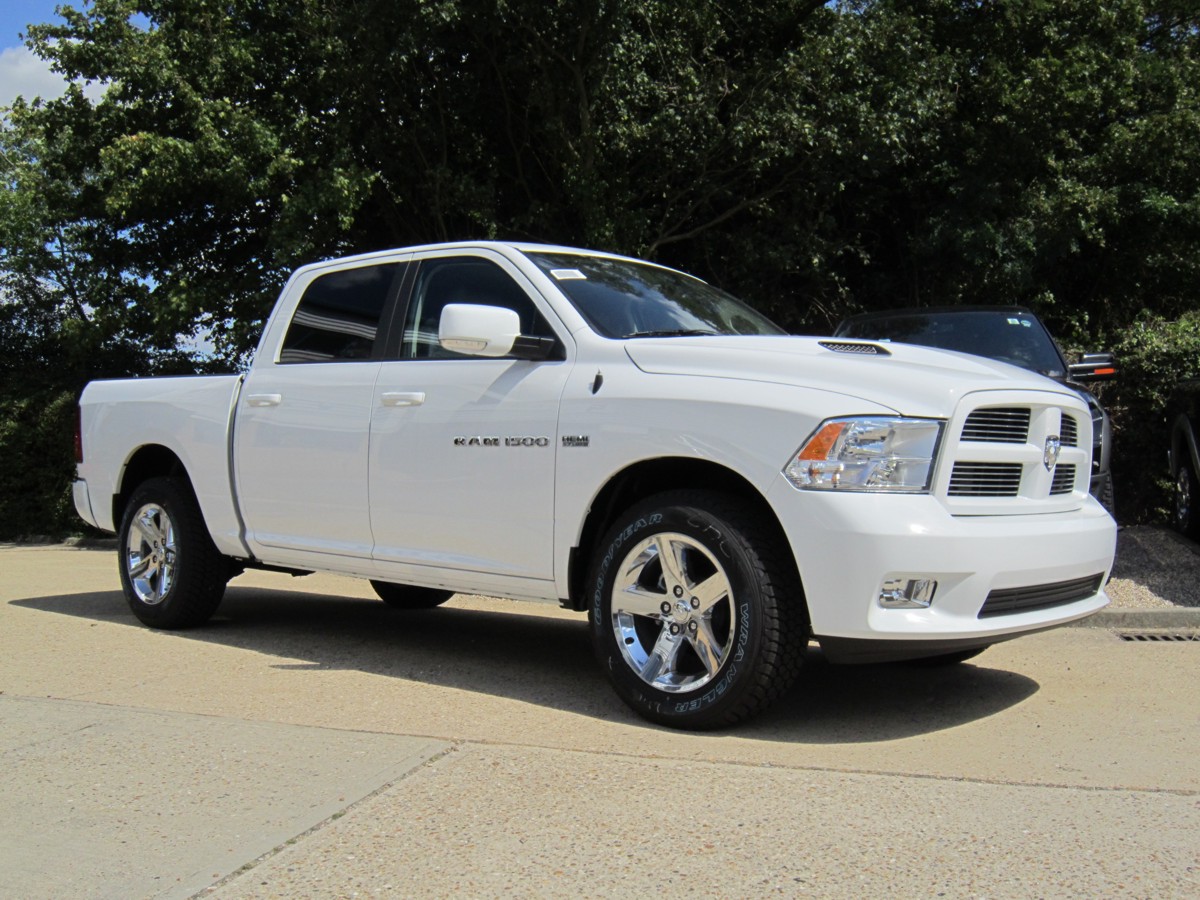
x=313 y=742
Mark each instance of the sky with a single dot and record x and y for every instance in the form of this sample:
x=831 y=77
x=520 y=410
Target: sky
x=20 y=71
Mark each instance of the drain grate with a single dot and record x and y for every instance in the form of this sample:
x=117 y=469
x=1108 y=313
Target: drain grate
x=1159 y=635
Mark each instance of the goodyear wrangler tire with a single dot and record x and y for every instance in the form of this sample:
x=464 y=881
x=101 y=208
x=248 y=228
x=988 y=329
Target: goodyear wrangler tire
x=172 y=574
x=696 y=610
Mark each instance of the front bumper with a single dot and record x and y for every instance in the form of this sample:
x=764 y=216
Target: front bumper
x=848 y=545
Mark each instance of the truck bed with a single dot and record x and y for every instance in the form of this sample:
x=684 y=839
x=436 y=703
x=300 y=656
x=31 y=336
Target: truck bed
x=189 y=416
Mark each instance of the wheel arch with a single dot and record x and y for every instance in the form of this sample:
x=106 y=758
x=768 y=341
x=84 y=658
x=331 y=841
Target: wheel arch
x=148 y=461
x=655 y=476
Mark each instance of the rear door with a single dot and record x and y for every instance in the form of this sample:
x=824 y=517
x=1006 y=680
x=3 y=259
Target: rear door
x=304 y=419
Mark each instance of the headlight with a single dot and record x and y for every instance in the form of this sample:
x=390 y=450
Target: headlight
x=874 y=453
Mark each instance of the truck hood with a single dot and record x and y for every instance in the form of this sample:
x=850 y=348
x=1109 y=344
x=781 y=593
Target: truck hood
x=911 y=380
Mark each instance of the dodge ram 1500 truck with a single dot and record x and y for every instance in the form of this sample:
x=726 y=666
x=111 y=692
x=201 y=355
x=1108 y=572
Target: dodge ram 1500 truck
x=556 y=424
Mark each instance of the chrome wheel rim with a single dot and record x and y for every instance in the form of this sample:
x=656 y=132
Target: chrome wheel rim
x=672 y=613
x=1183 y=497
x=150 y=554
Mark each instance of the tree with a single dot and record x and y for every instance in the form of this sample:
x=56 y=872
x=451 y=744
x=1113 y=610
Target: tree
x=237 y=141
x=1064 y=174
x=66 y=316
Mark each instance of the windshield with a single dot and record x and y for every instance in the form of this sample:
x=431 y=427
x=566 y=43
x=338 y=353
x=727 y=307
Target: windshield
x=626 y=299
x=1011 y=336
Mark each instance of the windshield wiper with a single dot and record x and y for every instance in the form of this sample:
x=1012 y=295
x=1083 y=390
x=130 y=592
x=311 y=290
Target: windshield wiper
x=678 y=332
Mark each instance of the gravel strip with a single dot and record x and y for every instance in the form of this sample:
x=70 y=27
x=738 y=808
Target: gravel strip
x=1155 y=569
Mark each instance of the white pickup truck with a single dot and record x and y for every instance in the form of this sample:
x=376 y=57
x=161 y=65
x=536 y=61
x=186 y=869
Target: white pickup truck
x=555 y=424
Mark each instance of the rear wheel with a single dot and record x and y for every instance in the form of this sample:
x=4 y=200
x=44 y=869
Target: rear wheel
x=404 y=596
x=696 y=611
x=172 y=574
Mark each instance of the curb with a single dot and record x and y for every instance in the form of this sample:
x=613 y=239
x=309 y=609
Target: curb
x=91 y=543
x=1141 y=618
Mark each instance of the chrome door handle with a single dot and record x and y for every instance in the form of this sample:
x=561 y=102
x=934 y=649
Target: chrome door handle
x=264 y=399
x=403 y=398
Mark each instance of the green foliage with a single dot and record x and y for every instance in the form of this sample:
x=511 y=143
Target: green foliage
x=235 y=143
x=48 y=351
x=1063 y=173
x=35 y=440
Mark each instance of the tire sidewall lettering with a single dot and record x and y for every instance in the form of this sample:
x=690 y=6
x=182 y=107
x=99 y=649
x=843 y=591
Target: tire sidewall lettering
x=714 y=538
x=733 y=667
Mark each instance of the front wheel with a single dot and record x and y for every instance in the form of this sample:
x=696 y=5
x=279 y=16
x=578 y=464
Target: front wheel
x=696 y=610
x=172 y=574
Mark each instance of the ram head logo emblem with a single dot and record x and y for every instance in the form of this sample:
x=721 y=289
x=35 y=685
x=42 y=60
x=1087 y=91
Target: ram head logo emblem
x=1050 y=452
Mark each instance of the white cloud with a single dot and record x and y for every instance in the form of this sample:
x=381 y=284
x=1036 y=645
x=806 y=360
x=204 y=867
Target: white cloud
x=24 y=75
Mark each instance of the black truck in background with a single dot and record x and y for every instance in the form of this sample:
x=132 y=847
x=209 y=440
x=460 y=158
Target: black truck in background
x=1183 y=419
x=1010 y=334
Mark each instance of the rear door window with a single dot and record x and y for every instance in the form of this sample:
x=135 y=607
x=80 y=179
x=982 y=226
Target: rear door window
x=338 y=318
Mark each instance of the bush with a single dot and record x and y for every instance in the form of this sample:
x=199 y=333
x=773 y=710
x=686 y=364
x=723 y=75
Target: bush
x=36 y=445
x=1154 y=355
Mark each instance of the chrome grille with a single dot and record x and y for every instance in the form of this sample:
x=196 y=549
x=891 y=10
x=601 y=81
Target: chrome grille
x=1063 y=481
x=985 y=479
x=999 y=450
x=997 y=426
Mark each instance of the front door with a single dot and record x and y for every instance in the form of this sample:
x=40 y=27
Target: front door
x=462 y=449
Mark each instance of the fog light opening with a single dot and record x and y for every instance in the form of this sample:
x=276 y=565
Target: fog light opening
x=907 y=593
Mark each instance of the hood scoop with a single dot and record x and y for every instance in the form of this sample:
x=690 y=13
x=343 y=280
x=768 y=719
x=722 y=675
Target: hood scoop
x=862 y=348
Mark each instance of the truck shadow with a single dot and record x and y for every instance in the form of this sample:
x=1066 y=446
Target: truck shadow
x=548 y=661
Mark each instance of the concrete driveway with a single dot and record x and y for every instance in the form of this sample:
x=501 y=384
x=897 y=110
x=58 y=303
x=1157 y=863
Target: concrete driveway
x=312 y=742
